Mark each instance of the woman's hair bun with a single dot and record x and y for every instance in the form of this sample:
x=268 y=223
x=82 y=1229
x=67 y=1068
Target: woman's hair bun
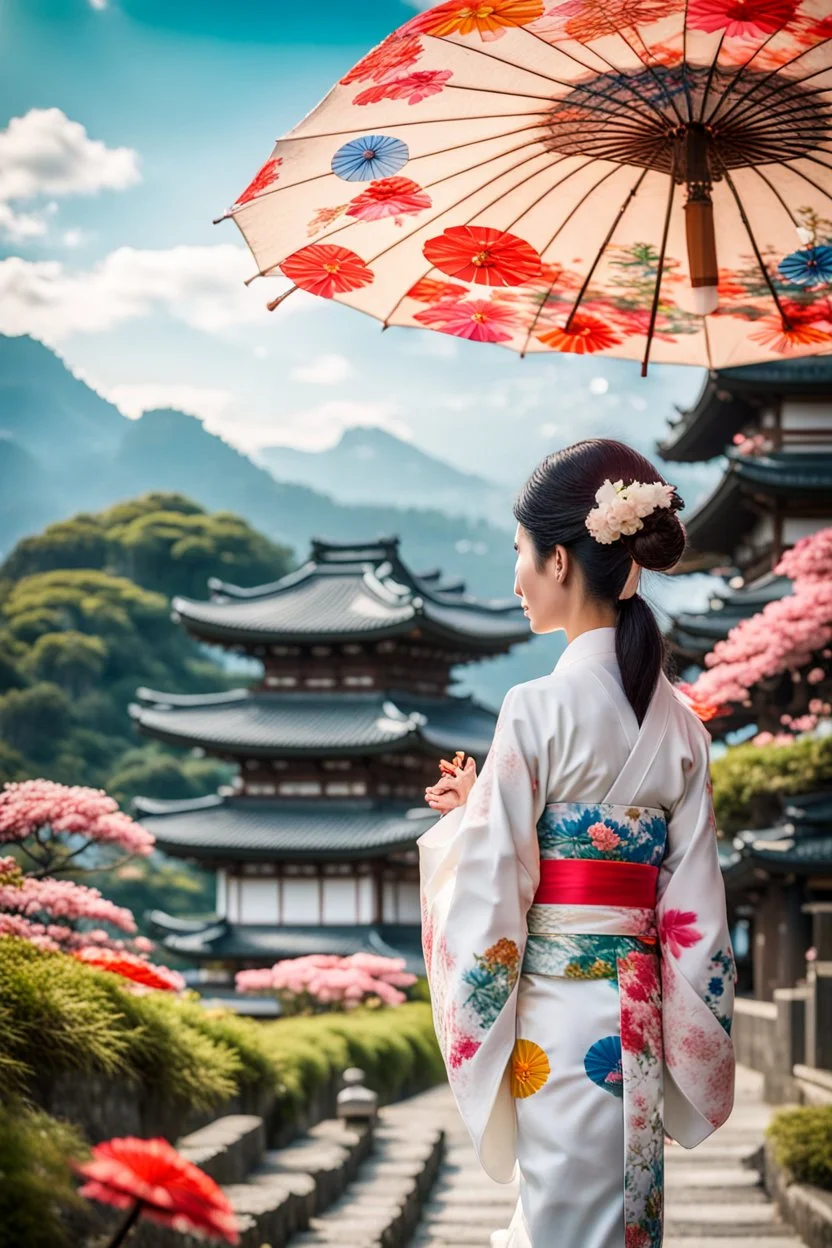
x=660 y=544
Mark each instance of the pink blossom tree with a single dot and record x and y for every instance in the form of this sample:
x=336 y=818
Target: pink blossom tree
x=328 y=982
x=51 y=826
x=790 y=636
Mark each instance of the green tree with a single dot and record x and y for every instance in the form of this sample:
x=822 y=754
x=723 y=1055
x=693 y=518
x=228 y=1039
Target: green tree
x=35 y=721
x=74 y=661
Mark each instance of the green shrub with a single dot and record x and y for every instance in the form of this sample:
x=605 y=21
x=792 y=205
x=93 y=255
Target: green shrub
x=36 y=1188
x=750 y=780
x=803 y=1143
x=59 y=1015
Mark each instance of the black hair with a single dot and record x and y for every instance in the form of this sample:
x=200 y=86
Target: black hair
x=553 y=506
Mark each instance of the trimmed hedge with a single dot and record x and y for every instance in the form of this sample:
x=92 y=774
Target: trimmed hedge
x=803 y=1144
x=750 y=780
x=59 y=1015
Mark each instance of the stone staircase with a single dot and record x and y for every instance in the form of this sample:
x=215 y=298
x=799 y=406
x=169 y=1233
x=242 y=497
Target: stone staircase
x=714 y=1198
x=337 y=1184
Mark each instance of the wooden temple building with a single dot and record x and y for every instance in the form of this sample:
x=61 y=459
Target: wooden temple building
x=773 y=424
x=314 y=846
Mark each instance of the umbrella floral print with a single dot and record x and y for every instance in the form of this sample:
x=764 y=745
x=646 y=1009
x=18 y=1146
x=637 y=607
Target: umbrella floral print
x=640 y=178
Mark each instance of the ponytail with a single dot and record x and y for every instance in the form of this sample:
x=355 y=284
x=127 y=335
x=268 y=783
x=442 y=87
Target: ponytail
x=640 y=651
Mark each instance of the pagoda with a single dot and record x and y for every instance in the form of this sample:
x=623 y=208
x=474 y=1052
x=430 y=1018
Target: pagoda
x=314 y=844
x=773 y=424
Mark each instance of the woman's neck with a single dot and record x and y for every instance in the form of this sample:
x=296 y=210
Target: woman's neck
x=590 y=615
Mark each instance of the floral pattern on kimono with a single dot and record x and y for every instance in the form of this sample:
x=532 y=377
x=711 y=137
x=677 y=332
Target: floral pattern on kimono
x=481 y=861
x=615 y=833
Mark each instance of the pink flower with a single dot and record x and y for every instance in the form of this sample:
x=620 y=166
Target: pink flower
x=676 y=931
x=603 y=837
x=32 y=805
x=815 y=676
x=462 y=1050
x=413 y=87
x=328 y=978
x=479 y=320
x=60 y=899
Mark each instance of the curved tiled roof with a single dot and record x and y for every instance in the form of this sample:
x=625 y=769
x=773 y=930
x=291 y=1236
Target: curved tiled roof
x=694 y=632
x=269 y=725
x=729 y=399
x=730 y=511
x=246 y=828
x=222 y=940
x=353 y=592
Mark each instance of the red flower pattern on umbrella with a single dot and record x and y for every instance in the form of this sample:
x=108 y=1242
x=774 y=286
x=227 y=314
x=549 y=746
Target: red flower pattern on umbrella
x=468 y=17
x=326 y=269
x=153 y=1180
x=677 y=931
x=397 y=51
x=479 y=320
x=128 y=966
x=388 y=197
x=429 y=289
x=754 y=19
x=803 y=326
x=586 y=20
x=262 y=180
x=414 y=87
x=585 y=335
x=485 y=256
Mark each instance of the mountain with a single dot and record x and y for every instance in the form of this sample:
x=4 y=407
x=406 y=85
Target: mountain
x=372 y=461
x=65 y=450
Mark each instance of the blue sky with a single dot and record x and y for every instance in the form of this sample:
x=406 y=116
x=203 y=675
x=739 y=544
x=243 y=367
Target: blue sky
x=125 y=127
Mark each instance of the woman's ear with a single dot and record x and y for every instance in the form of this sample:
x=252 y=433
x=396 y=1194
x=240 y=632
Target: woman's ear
x=560 y=563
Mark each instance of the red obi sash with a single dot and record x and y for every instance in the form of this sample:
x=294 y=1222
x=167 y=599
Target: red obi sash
x=596 y=882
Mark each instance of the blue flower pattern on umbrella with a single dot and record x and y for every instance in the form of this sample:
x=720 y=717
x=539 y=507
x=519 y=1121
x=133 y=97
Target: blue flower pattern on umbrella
x=369 y=157
x=810 y=266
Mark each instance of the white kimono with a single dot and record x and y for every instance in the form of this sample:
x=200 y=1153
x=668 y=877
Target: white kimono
x=573 y=1033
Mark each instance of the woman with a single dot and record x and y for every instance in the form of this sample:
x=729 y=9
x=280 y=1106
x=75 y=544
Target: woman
x=574 y=924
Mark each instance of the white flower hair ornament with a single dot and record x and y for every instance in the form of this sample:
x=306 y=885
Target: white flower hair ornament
x=621 y=508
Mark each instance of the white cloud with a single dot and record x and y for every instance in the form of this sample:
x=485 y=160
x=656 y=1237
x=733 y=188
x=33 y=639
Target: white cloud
x=324 y=370
x=437 y=346
x=599 y=385
x=44 y=153
x=211 y=405
x=319 y=427
x=20 y=226
x=201 y=286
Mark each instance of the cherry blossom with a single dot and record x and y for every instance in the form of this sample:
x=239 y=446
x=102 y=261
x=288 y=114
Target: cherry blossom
x=35 y=805
x=58 y=899
x=330 y=980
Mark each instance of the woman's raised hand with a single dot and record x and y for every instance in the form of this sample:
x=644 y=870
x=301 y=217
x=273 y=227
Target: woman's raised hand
x=452 y=789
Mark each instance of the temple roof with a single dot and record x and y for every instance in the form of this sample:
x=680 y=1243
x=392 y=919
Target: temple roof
x=268 y=943
x=720 y=523
x=264 y=829
x=730 y=399
x=290 y=723
x=694 y=633
x=353 y=592
x=800 y=842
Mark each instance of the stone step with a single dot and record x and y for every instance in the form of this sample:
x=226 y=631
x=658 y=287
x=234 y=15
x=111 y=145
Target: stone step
x=380 y=1208
x=226 y=1148
x=284 y=1189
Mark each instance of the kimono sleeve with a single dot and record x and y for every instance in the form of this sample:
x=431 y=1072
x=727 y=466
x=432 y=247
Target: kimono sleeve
x=698 y=972
x=479 y=870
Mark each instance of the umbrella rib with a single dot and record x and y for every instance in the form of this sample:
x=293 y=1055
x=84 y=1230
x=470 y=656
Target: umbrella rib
x=451 y=207
x=732 y=85
x=453 y=147
x=592 y=108
x=557 y=232
x=659 y=80
x=430 y=269
x=631 y=194
x=610 y=64
x=558 y=82
x=775 y=73
x=817 y=186
x=710 y=77
x=654 y=309
x=775 y=193
x=430 y=186
x=758 y=254
x=685 y=65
